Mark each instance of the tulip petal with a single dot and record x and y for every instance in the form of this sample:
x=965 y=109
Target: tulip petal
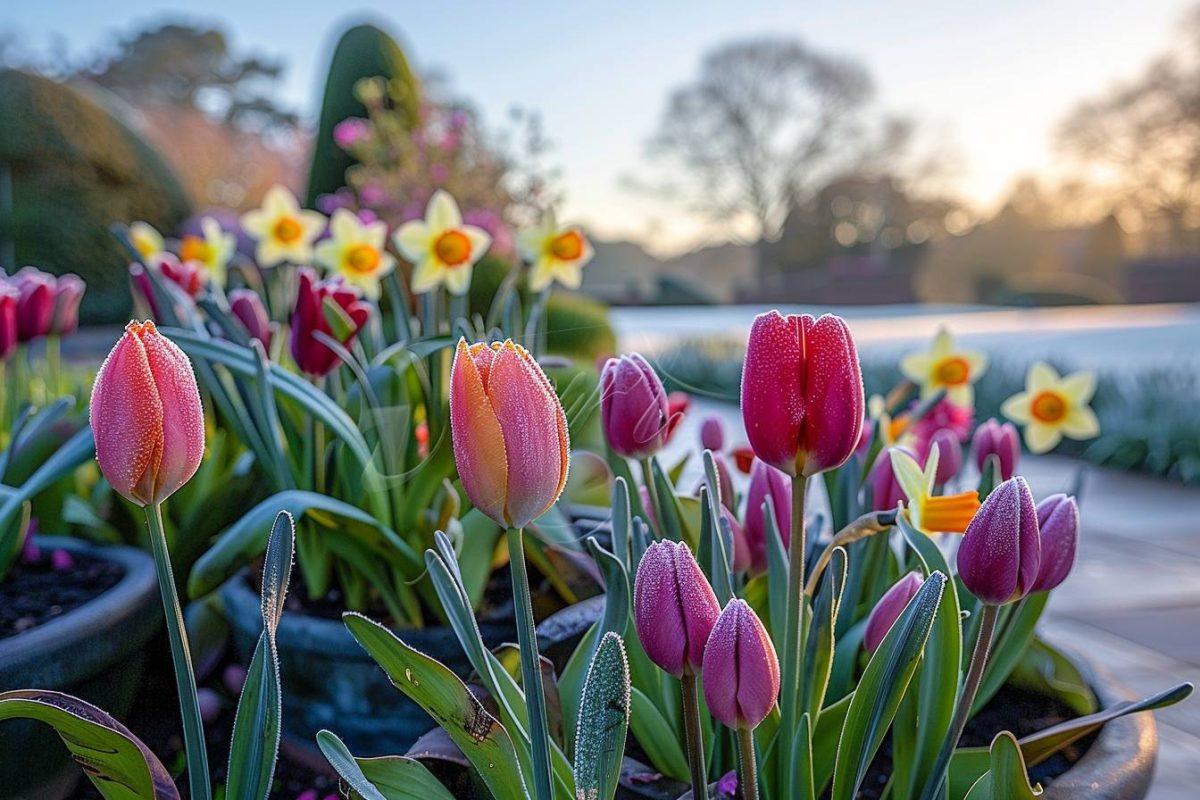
x=772 y=388
x=182 y=418
x=834 y=400
x=479 y=446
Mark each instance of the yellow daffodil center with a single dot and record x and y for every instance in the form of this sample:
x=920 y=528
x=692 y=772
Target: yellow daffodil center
x=362 y=258
x=950 y=513
x=288 y=230
x=452 y=248
x=193 y=248
x=951 y=371
x=1048 y=406
x=567 y=246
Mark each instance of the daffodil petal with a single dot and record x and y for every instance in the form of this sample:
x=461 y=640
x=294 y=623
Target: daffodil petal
x=480 y=240
x=908 y=475
x=1078 y=387
x=1040 y=438
x=1081 y=423
x=426 y=276
x=442 y=213
x=1018 y=408
x=458 y=280
x=328 y=254
x=916 y=367
x=943 y=343
x=1041 y=376
x=977 y=363
x=412 y=240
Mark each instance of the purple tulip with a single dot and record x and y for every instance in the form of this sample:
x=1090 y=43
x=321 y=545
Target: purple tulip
x=741 y=548
x=35 y=303
x=950 y=456
x=889 y=608
x=210 y=704
x=712 y=434
x=886 y=493
x=741 y=670
x=1001 y=440
x=248 y=308
x=766 y=480
x=68 y=292
x=674 y=607
x=633 y=407
x=1000 y=554
x=1058 y=522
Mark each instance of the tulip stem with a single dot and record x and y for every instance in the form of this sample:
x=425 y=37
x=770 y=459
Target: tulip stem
x=979 y=657
x=185 y=678
x=693 y=734
x=748 y=780
x=531 y=673
x=652 y=493
x=793 y=647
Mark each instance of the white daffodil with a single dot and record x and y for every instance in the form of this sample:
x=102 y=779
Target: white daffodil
x=355 y=251
x=211 y=251
x=944 y=367
x=442 y=249
x=283 y=230
x=928 y=512
x=146 y=239
x=1052 y=407
x=554 y=254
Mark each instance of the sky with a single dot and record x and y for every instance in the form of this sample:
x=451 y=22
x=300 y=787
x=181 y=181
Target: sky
x=988 y=79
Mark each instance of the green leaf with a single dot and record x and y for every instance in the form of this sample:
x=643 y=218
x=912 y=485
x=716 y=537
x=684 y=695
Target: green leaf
x=622 y=522
x=386 y=778
x=255 y=742
x=825 y=737
x=1011 y=644
x=802 y=761
x=603 y=722
x=671 y=515
x=483 y=740
x=115 y=761
x=1047 y=670
x=777 y=572
x=819 y=644
x=1006 y=778
x=657 y=737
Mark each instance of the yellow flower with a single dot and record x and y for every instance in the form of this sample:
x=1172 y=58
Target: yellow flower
x=355 y=251
x=1052 y=407
x=929 y=513
x=944 y=367
x=441 y=248
x=146 y=240
x=555 y=254
x=211 y=251
x=283 y=230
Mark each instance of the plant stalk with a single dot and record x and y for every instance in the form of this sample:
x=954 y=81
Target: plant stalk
x=748 y=779
x=652 y=492
x=693 y=734
x=979 y=657
x=185 y=678
x=793 y=647
x=531 y=673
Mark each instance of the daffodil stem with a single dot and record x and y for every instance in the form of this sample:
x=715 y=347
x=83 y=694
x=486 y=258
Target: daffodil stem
x=693 y=734
x=531 y=673
x=979 y=658
x=185 y=678
x=793 y=649
x=748 y=779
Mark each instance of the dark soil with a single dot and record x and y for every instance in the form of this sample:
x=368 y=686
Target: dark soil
x=33 y=593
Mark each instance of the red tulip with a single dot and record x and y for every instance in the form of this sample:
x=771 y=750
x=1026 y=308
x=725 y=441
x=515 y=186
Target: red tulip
x=35 y=303
x=509 y=431
x=766 y=480
x=190 y=276
x=802 y=392
x=311 y=354
x=247 y=307
x=68 y=292
x=146 y=416
x=8 y=319
x=889 y=608
x=741 y=670
x=1001 y=440
x=1001 y=555
x=674 y=607
x=678 y=404
x=633 y=407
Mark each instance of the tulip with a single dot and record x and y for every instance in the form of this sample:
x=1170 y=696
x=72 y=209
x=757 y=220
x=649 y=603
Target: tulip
x=802 y=392
x=1058 y=524
x=1001 y=440
x=725 y=479
x=35 y=303
x=311 y=354
x=741 y=547
x=712 y=434
x=1000 y=555
x=741 y=671
x=766 y=480
x=68 y=292
x=743 y=458
x=633 y=407
x=678 y=404
x=247 y=307
x=886 y=492
x=889 y=608
x=187 y=275
x=8 y=319
x=950 y=455
x=674 y=607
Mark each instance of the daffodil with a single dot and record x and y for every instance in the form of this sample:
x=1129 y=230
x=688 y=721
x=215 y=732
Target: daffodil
x=146 y=239
x=927 y=512
x=212 y=250
x=945 y=367
x=442 y=249
x=283 y=230
x=1052 y=407
x=355 y=250
x=555 y=254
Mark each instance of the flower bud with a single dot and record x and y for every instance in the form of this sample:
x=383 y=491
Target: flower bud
x=740 y=557
x=889 y=608
x=8 y=319
x=146 y=416
x=509 y=432
x=311 y=354
x=633 y=407
x=1058 y=523
x=712 y=434
x=766 y=480
x=1000 y=554
x=247 y=307
x=35 y=303
x=886 y=493
x=678 y=404
x=741 y=670
x=1001 y=440
x=802 y=392
x=949 y=454
x=674 y=607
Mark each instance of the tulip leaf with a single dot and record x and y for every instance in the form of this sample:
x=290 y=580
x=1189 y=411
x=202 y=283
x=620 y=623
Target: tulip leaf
x=802 y=761
x=670 y=522
x=657 y=737
x=622 y=522
x=1006 y=778
x=777 y=571
x=603 y=721
x=1047 y=670
x=819 y=644
x=716 y=543
x=114 y=760
x=826 y=732
x=386 y=778
x=1010 y=645
x=882 y=687
x=255 y=741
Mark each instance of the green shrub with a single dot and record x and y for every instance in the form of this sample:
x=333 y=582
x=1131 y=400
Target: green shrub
x=76 y=169
x=577 y=327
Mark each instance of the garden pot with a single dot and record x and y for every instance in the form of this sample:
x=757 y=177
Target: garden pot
x=97 y=652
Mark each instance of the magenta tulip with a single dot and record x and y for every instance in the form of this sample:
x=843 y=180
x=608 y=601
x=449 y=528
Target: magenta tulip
x=509 y=432
x=1001 y=440
x=741 y=547
x=741 y=670
x=1000 y=554
x=766 y=480
x=146 y=416
x=8 y=318
x=247 y=308
x=674 y=607
x=950 y=456
x=1058 y=523
x=886 y=493
x=802 y=392
x=633 y=407
x=68 y=292
x=311 y=354
x=712 y=434
x=889 y=608
x=35 y=303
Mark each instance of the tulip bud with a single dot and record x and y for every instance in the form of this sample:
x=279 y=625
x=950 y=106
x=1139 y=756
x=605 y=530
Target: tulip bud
x=949 y=454
x=678 y=404
x=766 y=480
x=187 y=275
x=1000 y=554
x=889 y=608
x=741 y=670
x=1001 y=440
x=712 y=434
x=35 y=303
x=802 y=392
x=674 y=607
x=68 y=292
x=886 y=493
x=741 y=548
x=311 y=354
x=725 y=479
x=247 y=307
x=146 y=416
x=509 y=432
x=633 y=407
x=8 y=319
x=1058 y=523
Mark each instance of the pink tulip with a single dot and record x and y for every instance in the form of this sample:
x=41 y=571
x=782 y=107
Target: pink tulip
x=766 y=480
x=674 y=607
x=802 y=392
x=889 y=608
x=1001 y=440
x=146 y=416
x=35 y=303
x=633 y=407
x=712 y=434
x=8 y=318
x=949 y=454
x=247 y=307
x=741 y=547
x=1001 y=555
x=741 y=670
x=725 y=479
x=187 y=275
x=509 y=432
x=944 y=415
x=886 y=493
x=1058 y=525
x=311 y=354
x=68 y=292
